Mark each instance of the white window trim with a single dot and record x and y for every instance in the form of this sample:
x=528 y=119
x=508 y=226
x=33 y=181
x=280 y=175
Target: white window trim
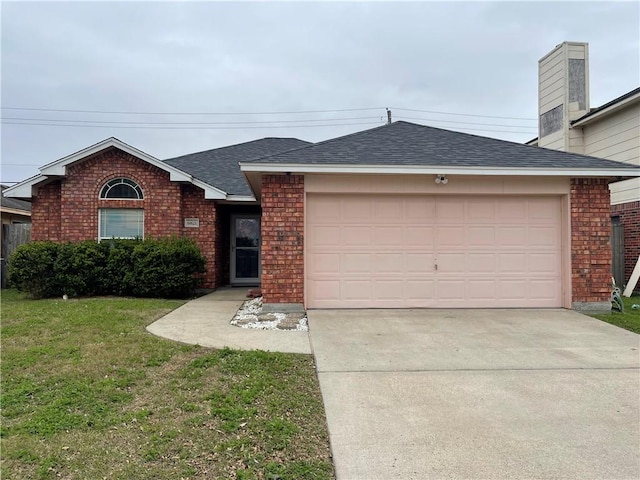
x=100 y=238
x=100 y=197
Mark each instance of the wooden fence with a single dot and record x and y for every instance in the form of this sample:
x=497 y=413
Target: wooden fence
x=617 y=250
x=12 y=237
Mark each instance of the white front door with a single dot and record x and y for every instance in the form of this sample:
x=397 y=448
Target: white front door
x=245 y=249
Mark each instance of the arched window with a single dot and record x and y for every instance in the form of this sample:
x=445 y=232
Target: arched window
x=121 y=188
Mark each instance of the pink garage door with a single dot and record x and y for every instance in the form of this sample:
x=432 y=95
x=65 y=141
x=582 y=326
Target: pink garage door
x=374 y=251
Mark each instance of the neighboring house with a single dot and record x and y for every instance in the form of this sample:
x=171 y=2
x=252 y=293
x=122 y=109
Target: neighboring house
x=14 y=210
x=16 y=228
x=611 y=131
x=401 y=215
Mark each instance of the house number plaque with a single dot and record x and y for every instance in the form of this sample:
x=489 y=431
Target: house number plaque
x=191 y=222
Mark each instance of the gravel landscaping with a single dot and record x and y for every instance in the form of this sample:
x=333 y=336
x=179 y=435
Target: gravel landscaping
x=250 y=316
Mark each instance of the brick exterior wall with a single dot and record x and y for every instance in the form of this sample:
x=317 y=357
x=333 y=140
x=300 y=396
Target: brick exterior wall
x=629 y=214
x=207 y=235
x=590 y=240
x=67 y=210
x=283 y=238
x=45 y=213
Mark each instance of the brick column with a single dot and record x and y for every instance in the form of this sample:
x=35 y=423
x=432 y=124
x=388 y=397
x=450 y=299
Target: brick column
x=206 y=234
x=590 y=244
x=45 y=213
x=283 y=239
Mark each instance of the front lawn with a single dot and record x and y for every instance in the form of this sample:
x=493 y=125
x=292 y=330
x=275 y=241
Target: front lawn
x=629 y=320
x=87 y=393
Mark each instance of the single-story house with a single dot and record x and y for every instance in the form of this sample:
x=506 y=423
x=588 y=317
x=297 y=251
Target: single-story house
x=398 y=216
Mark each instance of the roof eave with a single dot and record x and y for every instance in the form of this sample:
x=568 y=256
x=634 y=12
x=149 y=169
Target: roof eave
x=439 y=170
x=591 y=117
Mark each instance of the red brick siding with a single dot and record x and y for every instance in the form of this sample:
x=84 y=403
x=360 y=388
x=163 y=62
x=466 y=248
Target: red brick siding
x=67 y=211
x=45 y=213
x=283 y=238
x=629 y=214
x=590 y=240
x=81 y=188
x=206 y=235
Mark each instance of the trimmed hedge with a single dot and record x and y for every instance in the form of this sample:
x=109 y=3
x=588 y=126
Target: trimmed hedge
x=166 y=268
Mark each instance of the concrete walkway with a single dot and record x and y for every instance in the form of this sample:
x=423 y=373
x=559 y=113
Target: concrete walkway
x=205 y=321
x=478 y=394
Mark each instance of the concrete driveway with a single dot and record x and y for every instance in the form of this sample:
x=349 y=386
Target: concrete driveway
x=478 y=394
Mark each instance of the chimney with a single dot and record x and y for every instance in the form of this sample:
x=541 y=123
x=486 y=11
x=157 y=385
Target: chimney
x=563 y=96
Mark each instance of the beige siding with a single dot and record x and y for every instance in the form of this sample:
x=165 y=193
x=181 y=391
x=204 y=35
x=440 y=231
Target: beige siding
x=625 y=191
x=555 y=141
x=551 y=81
x=615 y=137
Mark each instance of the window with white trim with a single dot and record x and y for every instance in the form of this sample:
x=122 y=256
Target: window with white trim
x=121 y=189
x=120 y=223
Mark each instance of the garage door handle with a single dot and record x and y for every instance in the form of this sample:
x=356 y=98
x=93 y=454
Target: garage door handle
x=435 y=264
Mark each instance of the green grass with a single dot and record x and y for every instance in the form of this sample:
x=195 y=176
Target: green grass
x=629 y=320
x=88 y=393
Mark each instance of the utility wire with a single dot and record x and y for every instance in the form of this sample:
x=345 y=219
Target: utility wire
x=55 y=120
x=463 y=114
x=192 y=113
x=465 y=123
x=188 y=123
x=293 y=112
x=190 y=128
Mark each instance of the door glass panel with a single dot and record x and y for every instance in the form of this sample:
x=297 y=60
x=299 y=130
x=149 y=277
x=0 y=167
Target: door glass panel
x=246 y=263
x=248 y=232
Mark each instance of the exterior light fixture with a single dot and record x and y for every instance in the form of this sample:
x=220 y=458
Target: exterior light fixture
x=442 y=179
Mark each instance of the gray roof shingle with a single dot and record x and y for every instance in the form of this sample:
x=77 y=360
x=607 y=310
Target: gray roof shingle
x=219 y=167
x=408 y=144
x=13 y=202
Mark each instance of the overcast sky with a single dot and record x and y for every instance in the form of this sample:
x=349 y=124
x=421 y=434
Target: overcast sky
x=465 y=58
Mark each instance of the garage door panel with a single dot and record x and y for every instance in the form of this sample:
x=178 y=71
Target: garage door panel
x=542 y=236
x=545 y=263
x=391 y=236
x=419 y=263
x=418 y=236
x=359 y=289
x=324 y=236
x=482 y=235
x=389 y=263
x=324 y=263
x=490 y=251
x=355 y=263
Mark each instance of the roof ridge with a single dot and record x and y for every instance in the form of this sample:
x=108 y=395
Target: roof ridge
x=235 y=145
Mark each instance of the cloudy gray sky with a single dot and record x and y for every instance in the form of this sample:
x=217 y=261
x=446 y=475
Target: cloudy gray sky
x=341 y=62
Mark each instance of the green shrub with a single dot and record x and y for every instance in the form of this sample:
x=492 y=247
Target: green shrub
x=169 y=268
x=30 y=269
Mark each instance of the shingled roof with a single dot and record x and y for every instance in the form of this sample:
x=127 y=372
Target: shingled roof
x=13 y=203
x=219 y=167
x=409 y=144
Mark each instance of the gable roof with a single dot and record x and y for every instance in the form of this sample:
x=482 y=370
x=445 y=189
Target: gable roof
x=409 y=146
x=58 y=169
x=219 y=166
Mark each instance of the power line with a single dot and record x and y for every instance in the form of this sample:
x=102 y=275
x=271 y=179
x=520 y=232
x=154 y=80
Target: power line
x=189 y=128
x=188 y=123
x=465 y=123
x=293 y=112
x=191 y=113
x=463 y=114
x=482 y=129
x=255 y=122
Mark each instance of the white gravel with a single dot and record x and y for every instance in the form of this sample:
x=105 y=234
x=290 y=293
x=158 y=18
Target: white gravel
x=248 y=317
